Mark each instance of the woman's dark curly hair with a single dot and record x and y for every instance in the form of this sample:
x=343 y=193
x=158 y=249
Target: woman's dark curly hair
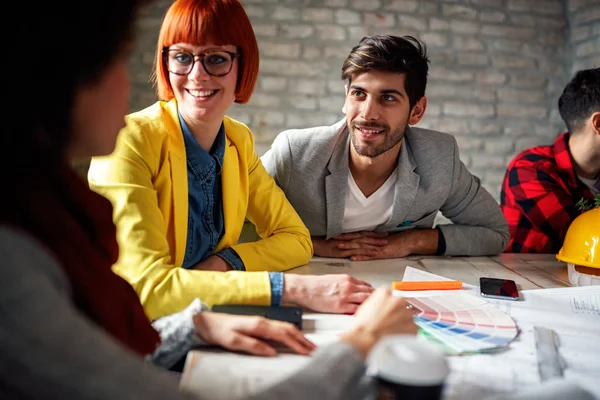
x=55 y=49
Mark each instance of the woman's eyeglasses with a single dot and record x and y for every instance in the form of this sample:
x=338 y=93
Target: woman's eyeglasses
x=215 y=62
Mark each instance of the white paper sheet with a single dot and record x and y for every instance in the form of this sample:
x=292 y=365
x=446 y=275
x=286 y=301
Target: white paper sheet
x=574 y=315
x=219 y=374
x=561 y=310
x=569 y=311
x=225 y=375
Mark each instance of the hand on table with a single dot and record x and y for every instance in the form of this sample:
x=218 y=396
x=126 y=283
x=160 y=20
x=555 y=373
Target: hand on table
x=248 y=333
x=349 y=244
x=333 y=293
x=396 y=246
x=382 y=314
x=401 y=244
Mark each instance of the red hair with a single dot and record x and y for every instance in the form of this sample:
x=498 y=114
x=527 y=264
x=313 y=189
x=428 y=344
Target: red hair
x=197 y=22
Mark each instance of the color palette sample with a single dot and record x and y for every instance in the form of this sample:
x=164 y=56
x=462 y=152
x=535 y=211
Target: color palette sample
x=463 y=323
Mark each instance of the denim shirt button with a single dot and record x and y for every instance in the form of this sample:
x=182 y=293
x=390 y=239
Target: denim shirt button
x=207 y=217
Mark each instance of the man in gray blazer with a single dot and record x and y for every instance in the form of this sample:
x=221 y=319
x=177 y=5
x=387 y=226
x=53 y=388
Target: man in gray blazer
x=371 y=185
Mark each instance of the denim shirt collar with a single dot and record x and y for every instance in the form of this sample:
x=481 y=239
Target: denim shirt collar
x=200 y=162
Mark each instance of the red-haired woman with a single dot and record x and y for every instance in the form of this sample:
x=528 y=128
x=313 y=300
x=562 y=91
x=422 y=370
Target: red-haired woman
x=184 y=177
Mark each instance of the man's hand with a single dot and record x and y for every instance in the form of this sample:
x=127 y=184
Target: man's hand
x=213 y=263
x=363 y=243
x=334 y=293
x=247 y=333
x=401 y=244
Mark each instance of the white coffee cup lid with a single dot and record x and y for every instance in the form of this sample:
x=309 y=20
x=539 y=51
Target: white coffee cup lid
x=408 y=360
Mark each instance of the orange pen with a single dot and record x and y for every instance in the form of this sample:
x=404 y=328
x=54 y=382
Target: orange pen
x=427 y=285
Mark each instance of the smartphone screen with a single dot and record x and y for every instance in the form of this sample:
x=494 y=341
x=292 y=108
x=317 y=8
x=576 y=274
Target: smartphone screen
x=495 y=288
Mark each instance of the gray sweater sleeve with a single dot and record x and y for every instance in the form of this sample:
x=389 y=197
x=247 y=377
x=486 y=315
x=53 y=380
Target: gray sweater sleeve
x=336 y=372
x=479 y=227
x=50 y=350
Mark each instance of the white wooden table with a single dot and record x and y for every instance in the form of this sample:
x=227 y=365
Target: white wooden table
x=529 y=271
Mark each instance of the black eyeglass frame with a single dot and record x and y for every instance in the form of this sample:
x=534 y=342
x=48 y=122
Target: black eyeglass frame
x=201 y=56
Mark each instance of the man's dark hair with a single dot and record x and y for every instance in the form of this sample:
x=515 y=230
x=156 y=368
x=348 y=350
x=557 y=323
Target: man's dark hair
x=403 y=55
x=580 y=98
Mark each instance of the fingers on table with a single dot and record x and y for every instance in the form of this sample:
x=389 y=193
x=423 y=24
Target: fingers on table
x=249 y=344
x=358 y=297
x=283 y=332
x=363 y=243
x=290 y=336
x=361 y=286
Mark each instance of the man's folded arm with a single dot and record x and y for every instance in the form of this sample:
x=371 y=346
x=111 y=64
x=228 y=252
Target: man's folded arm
x=479 y=227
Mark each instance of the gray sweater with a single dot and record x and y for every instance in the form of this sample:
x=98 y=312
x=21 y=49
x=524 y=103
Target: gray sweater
x=48 y=349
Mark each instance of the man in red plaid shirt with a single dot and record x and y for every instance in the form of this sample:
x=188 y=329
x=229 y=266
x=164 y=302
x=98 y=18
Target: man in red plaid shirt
x=543 y=184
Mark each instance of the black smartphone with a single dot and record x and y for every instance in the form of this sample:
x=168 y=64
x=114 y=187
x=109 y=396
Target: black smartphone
x=496 y=288
x=281 y=313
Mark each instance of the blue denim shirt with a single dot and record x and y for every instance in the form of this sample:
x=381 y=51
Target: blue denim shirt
x=205 y=207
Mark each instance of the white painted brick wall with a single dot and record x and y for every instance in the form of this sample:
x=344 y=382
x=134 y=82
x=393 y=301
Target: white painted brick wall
x=497 y=66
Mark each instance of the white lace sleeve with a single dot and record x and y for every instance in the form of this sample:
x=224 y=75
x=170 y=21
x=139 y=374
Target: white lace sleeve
x=177 y=334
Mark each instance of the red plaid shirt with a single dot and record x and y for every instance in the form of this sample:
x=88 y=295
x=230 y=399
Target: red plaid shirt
x=538 y=197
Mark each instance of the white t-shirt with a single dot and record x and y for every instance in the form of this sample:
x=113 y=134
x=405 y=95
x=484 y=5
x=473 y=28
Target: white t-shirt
x=592 y=184
x=366 y=213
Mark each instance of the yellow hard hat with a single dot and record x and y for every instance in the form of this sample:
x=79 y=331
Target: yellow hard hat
x=582 y=241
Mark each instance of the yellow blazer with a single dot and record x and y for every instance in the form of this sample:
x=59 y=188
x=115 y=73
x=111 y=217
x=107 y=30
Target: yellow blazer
x=145 y=179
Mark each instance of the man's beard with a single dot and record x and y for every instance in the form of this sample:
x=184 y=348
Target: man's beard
x=390 y=140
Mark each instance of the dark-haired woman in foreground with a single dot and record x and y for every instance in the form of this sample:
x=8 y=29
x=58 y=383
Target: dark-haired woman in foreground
x=71 y=328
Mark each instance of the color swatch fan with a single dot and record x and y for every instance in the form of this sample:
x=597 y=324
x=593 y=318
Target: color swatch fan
x=463 y=323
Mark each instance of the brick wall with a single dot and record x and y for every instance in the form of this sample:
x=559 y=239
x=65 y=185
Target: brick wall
x=584 y=34
x=497 y=66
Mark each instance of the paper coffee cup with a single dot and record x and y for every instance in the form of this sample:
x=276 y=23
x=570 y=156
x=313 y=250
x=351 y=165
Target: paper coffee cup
x=406 y=367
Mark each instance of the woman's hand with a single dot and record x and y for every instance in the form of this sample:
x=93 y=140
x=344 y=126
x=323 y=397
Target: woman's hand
x=382 y=314
x=248 y=333
x=334 y=293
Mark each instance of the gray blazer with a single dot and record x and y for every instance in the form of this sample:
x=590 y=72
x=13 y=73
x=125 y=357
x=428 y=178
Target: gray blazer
x=311 y=166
